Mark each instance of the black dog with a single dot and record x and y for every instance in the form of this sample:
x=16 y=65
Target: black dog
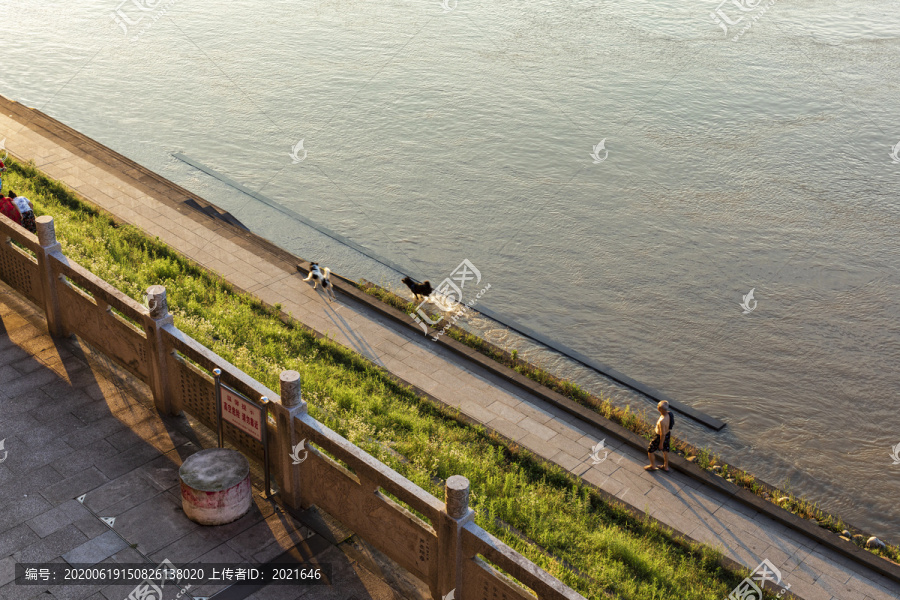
x=419 y=289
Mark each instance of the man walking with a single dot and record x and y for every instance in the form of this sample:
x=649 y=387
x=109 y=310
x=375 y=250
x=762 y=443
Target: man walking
x=663 y=432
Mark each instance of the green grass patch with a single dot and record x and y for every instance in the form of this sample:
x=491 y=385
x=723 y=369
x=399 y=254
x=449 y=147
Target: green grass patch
x=592 y=545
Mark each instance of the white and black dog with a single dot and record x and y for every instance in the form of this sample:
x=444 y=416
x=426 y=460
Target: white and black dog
x=318 y=275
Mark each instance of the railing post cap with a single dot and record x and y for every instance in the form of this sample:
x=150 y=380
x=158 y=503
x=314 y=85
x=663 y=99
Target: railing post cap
x=457 y=491
x=291 y=393
x=157 y=302
x=46 y=231
x=290 y=376
x=457 y=483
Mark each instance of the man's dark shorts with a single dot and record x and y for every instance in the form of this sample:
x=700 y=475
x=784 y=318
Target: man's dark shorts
x=654 y=444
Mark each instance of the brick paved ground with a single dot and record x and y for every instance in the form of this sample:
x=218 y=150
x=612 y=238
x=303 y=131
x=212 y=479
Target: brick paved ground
x=814 y=571
x=74 y=425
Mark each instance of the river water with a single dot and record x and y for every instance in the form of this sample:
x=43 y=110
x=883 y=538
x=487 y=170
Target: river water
x=733 y=158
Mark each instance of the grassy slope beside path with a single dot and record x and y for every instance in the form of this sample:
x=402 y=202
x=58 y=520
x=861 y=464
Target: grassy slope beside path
x=591 y=545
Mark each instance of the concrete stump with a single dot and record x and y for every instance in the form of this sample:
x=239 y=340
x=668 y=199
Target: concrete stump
x=215 y=486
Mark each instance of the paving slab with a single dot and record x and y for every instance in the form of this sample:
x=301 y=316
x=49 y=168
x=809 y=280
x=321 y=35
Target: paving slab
x=14 y=539
x=52 y=520
x=74 y=486
x=20 y=510
x=51 y=547
x=94 y=550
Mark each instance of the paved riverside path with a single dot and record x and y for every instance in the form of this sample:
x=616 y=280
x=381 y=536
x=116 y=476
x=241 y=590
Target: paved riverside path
x=135 y=196
x=74 y=425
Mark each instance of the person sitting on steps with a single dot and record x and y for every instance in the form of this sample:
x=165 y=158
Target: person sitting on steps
x=20 y=210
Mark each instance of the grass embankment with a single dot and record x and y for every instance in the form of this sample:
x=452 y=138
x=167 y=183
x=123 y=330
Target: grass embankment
x=593 y=546
x=639 y=423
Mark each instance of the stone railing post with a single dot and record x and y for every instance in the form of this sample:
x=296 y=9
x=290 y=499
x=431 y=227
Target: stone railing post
x=456 y=515
x=160 y=382
x=281 y=445
x=46 y=232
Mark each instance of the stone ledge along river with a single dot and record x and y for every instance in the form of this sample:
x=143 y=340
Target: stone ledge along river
x=622 y=174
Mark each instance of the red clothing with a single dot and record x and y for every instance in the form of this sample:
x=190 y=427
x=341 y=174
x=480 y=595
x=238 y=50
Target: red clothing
x=9 y=210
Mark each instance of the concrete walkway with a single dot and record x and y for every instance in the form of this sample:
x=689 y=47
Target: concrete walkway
x=75 y=426
x=814 y=572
